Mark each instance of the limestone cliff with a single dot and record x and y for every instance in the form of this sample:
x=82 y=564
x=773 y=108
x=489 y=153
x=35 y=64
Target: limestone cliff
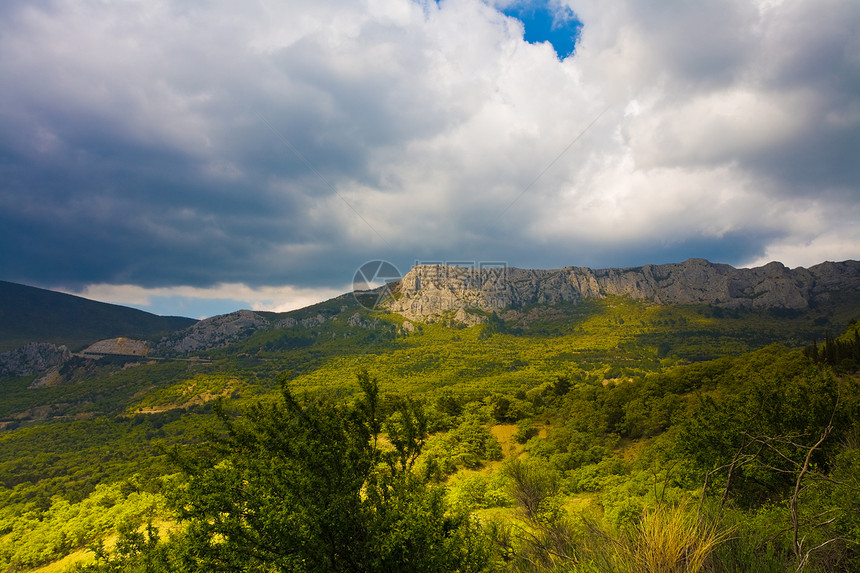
x=124 y=346
x=213 y=332
x=32 y=358
x=428 y=291
x=225 y=329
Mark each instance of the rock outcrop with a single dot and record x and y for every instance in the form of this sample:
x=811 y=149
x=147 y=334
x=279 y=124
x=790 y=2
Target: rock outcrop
x=32 y=358
x=123 y=346
x=225 y=329
x=213 y=332
x=357 y=320
x=429 y=291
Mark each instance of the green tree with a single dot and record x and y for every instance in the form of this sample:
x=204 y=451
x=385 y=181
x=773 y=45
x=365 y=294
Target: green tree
x=293 y=486
x=783 y=442
x=755 y=440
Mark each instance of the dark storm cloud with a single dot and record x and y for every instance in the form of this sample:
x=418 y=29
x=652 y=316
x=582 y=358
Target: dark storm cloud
x=160 y=146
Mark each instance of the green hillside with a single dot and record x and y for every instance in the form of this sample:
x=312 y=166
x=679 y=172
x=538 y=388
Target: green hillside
x=29 y=314
x=582 y=439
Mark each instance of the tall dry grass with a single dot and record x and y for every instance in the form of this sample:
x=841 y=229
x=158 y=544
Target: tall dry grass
x=669 y=539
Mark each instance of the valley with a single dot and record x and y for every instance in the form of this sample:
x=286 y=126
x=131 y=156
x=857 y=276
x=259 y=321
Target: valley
x=553 y=428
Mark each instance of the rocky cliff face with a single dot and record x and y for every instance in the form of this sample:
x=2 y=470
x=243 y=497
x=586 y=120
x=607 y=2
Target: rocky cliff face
x=213 y=332
x=225 y=329
x=33 y=358
x=428 y=291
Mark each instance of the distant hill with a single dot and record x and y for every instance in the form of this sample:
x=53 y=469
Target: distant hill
x=30 y=314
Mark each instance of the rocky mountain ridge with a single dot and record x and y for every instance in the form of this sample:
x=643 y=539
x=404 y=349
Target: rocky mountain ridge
x=226 y=329
x=466 y=296
x=430 y=291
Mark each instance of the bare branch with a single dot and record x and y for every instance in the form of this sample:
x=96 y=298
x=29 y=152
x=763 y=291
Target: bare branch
x=798 y=544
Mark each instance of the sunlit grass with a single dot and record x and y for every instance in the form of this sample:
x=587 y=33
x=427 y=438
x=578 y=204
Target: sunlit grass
x=669 y=539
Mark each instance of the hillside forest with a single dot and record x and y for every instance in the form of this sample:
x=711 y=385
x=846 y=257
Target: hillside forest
x=610 y=435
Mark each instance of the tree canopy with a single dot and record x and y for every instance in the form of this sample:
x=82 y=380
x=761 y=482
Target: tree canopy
x=310 y=486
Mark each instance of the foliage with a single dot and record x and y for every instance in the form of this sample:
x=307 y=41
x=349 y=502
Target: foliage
x=480 y=492
x=541 y=538
x=611 y=418
x=468 y=445
x=842 y=352
x=754 y=440
x=309 y=487
x=36 y=537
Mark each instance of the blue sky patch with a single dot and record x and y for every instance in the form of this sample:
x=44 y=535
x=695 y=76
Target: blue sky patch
x=545 y=22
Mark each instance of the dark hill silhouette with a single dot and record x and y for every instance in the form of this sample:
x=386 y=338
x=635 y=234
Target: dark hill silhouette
x=30 y=314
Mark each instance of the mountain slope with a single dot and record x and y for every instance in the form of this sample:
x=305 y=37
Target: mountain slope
x=30 y=314
x=466 y=296
x=584 y=381
x=431 y=290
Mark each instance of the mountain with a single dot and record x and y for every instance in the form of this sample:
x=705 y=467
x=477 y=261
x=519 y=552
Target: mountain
x=29 y=314
x=466 y=296
x=429 y=291
x=607 y=380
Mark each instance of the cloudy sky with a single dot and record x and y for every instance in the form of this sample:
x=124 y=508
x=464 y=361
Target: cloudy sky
x=195 y=157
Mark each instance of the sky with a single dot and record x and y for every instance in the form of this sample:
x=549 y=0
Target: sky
x=194 y=158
